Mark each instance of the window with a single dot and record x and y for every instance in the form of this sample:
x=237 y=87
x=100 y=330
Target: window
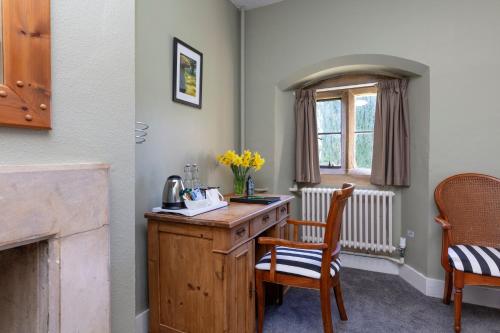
x=363 y=132
x=346 y=120
x=329 y=120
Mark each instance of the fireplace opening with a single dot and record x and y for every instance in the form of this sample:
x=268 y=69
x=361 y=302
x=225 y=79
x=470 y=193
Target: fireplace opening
x=24 y=288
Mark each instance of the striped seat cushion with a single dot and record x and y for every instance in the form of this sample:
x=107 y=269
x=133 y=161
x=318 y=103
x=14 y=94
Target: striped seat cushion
x=475 y=259
x=297 y=262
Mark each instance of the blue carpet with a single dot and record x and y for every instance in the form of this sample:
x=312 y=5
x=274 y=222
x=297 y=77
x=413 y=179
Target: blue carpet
x=376 y=302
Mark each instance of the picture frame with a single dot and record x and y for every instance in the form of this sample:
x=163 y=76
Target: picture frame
x=25 y=78
x=187 y=81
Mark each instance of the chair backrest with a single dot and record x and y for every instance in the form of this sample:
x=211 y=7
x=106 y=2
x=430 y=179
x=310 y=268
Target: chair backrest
x=470 y=202
x=334 y=219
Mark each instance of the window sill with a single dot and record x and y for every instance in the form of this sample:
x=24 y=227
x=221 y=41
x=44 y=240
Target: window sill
x=360 y=172
x=359 y=177
x=332 y=171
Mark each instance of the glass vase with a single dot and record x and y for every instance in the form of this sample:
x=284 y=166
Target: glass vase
x=239 y=185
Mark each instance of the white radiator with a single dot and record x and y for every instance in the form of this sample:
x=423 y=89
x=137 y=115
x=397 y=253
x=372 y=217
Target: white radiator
x=367 y=218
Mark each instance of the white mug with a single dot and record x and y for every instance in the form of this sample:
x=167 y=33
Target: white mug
x=214 y=196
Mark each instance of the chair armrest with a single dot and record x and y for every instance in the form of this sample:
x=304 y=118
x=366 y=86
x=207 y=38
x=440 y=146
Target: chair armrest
x=445 y=242
x=288 y=243
x=297 y=223
x=444 y=224
x=309 y=223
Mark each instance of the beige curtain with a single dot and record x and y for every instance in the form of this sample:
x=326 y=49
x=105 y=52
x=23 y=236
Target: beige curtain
x=306 y=138
x=391 y=142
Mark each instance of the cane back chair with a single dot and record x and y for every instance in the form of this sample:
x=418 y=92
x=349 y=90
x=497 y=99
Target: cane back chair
x=469 y=214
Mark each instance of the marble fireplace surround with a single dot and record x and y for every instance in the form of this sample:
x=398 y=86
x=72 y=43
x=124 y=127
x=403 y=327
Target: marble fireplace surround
x=67 y=205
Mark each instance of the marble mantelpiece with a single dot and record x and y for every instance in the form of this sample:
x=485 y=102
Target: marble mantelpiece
x=68 y=206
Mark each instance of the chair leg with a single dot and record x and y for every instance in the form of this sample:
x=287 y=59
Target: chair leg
x=326 y=310
x=459 y=284
x=261 y=301
x=337 y=290
x=448 y=287
x=279 y=296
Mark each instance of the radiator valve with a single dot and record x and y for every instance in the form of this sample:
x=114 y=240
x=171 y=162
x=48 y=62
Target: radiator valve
x=402 y=247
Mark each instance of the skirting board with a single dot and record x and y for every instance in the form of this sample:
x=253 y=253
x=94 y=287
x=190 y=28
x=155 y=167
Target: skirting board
x=484 y=296
x=430 y=287
x=141 y=322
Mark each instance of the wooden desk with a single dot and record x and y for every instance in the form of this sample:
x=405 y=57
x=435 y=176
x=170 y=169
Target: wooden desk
x=201 y=269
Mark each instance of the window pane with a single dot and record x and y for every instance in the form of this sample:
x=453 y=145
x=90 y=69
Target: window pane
x=329 y=116
x=365 y=112
x=363 y=145
x=330 y=150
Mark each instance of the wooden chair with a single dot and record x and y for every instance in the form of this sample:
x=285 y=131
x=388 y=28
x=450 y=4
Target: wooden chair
x=306 y=265
x=469 y=213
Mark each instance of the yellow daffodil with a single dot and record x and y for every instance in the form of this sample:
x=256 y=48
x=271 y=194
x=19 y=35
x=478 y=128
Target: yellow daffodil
x=257 y=161
x=237 y=161
x=240 y=165
x=246 y=158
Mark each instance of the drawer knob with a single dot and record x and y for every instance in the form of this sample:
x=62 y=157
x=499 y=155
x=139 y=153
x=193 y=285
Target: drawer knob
x=265 y=219
x=240 y=231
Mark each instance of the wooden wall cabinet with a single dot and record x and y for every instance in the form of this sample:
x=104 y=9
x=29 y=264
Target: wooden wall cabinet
x=25 y=92
x=201 y=269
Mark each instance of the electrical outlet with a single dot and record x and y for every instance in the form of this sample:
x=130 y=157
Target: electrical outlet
x=410 y=233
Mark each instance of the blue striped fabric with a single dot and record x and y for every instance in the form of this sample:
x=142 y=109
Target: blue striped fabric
x=475 y=259
x=297 y=262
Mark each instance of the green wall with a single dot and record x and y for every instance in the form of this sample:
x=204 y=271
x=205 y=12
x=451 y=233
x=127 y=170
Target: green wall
x=454 y=118
x=181 y=134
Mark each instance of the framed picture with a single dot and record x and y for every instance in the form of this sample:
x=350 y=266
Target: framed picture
x=188 y=71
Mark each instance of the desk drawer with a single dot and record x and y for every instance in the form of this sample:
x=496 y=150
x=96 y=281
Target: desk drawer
x=240 y=233
x=282 y=212
x=262 y=222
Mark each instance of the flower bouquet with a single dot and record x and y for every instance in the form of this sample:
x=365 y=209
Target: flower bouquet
x=240 y=166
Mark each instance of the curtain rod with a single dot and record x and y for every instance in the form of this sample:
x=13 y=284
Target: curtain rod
x=352 y=86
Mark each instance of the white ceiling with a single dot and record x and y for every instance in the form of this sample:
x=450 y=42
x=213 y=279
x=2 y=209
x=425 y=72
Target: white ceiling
x=251 y=4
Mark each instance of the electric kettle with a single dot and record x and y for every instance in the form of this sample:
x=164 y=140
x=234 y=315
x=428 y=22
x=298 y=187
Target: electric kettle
x=172 y=193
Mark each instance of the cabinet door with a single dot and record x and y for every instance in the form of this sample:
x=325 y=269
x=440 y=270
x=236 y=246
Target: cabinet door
x=241 y=302
x=188 y=285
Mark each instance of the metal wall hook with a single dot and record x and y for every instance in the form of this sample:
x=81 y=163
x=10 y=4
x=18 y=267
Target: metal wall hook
x=140 y=132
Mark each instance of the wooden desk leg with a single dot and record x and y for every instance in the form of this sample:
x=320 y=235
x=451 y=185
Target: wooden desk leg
x=261 y=291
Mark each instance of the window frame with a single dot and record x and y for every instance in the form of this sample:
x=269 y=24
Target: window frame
x=335 y=95
x=348 y=98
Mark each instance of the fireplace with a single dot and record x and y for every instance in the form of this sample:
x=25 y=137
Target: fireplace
x=23 y=296
x=54 y=249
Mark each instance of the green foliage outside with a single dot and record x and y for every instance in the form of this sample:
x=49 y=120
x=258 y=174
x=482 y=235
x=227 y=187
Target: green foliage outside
x=365 y=121
x=329 y=116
